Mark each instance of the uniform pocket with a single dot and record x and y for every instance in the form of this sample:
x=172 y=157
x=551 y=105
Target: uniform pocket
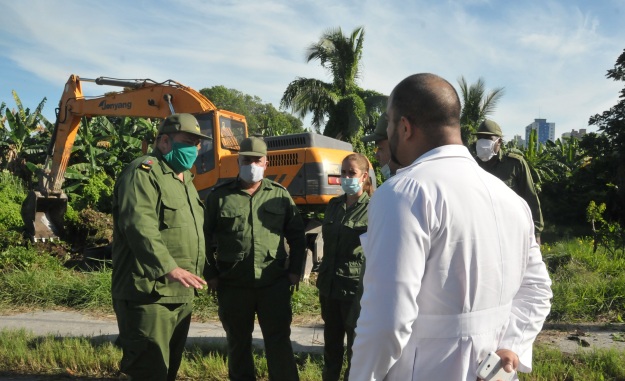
x=274 y=214
x=174 y=213
x=165 y=287
x=230 y=229
x=353 y=230
x=231 y=221
x=359 y=227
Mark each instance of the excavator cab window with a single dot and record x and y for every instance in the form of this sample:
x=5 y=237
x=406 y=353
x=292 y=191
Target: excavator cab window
x=232 y=133
x=206 y=156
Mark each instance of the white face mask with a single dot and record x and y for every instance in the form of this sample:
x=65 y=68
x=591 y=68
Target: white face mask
x=485 y=149
x=251 y=173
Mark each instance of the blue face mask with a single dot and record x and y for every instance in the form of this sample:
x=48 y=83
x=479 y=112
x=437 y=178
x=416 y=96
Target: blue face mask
x=181 y=157
x=350 y=186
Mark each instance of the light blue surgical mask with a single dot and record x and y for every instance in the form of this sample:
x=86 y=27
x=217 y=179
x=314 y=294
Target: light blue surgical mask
x=181 y=157
x=351 y=186
x=386 y=171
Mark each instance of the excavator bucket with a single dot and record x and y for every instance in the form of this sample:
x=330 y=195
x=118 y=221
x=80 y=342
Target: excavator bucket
x=44 y=215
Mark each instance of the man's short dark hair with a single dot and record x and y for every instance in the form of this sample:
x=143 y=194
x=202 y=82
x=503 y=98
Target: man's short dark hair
x=426 y=100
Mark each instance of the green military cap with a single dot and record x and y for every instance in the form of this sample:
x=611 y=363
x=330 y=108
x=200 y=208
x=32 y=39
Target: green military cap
x=253 y=146
x=380 y=130
x=181 y=123
x=488 y=127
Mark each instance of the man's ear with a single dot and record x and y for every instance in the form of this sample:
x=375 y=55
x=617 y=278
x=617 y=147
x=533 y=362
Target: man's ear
x=405 y=128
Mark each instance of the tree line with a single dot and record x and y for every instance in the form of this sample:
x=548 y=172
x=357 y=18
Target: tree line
x=573 y=176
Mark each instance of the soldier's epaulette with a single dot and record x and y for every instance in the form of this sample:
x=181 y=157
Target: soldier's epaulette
x=278 y=184
x=222 y=184
x=515 y=155
x=146 y=165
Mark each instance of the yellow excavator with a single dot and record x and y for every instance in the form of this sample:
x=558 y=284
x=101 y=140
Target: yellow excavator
x=307 y=164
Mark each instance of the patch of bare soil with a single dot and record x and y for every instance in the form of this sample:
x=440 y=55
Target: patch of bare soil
x=573 y=337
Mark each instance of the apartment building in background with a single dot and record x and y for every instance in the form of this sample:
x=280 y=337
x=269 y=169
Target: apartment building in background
x=574 y=134
x=546 y=131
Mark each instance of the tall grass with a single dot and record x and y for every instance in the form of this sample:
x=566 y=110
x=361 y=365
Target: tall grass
x=29 y=278
x=55 y=286
x=587 y=285
x=22 y=352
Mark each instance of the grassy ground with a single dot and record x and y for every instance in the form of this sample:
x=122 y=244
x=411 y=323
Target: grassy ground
x=588 y=287
x=81 y=357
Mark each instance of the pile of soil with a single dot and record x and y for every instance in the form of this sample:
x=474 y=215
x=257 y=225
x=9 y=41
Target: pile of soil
x=86 y=245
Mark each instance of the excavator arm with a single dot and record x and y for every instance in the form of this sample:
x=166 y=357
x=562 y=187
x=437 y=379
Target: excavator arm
x=44 y=208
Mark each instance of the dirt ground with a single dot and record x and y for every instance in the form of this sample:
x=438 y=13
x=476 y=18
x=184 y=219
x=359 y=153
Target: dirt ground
x=570 y=338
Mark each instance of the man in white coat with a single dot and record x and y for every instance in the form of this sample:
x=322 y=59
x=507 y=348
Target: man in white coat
x=453 y=267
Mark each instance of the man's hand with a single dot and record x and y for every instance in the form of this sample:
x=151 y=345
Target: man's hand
x=186 y=278
x=294 y=281
x=509 y=359
x=212 y=286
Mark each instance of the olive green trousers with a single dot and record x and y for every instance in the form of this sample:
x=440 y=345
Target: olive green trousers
x=152 y=338
x=272 y=304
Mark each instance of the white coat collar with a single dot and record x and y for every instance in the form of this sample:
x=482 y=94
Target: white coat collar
x=447 y=151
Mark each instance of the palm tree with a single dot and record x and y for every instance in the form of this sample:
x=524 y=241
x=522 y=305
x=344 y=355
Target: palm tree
x=476 y=106
x=346 y=107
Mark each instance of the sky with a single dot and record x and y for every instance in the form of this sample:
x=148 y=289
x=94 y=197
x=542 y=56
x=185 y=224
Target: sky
x=550 y=56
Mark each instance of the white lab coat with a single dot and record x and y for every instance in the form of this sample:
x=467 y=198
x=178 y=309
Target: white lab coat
x=453 y=272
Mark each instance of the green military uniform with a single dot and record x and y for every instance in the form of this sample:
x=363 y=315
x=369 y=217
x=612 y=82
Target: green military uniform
x=251 y=264
x=157 y=227
x=512 y=169
x=338 y=278
x=158 y=222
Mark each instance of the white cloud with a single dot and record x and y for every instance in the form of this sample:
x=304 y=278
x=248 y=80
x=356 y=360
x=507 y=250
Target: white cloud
x=549 y=55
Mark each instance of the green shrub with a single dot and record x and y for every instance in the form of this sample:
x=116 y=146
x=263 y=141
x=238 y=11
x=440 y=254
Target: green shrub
x=12 y=193
x=9 y=238
x=72 y=217
x=96 y=194
x=305 y=301
x=21 y=258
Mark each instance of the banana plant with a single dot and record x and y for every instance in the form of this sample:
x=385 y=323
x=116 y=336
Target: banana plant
x=18 y=127
x=124 y=138
x=544 y=162
x=87 y=157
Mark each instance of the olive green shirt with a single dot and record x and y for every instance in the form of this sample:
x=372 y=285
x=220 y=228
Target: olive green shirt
x=512 y=169
x=249 y=233
x=342 y=253
x=157 y=222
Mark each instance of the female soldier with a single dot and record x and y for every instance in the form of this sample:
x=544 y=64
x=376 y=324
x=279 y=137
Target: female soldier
x=345 y=220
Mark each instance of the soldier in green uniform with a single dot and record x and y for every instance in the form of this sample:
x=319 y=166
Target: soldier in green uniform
x=344 y=221
x=248 y=219
x=158 y=251
x=510 y=167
